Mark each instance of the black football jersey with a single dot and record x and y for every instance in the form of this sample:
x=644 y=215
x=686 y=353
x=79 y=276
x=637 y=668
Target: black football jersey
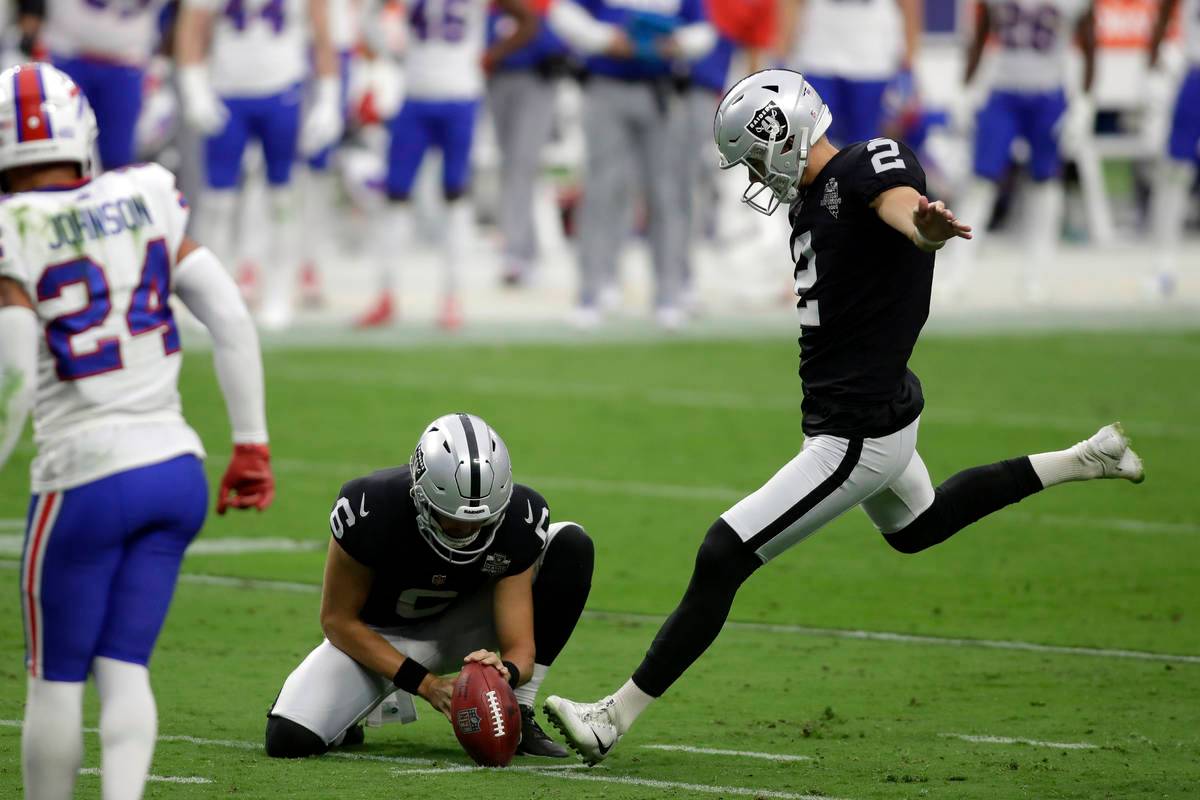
x=864 y=295
x=375 y=522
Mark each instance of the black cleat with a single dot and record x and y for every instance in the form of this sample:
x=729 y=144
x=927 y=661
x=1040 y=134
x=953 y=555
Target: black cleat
x=534 y=741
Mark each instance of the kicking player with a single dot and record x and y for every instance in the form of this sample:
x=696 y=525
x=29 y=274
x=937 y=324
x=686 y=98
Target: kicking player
x=87 y=338
x=444 y=75
x=432 y=564
x=1030 y=99
x=863 y=241
x=1176 y=172
x=248 y=83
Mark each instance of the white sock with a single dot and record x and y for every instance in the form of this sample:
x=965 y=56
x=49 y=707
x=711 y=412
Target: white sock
x=975 y=209
x=457 y=233
x=527 y=692
x=1168 y=209
x=1061 y=466
x=393 y=239
x=630 y=702
x=128 y=727
x=52 y=739
x=317 y=213
x=1044 y=225
x=214 y=223
x=279 y=271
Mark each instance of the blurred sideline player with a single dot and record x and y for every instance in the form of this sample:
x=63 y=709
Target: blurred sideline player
x=105 y=48
x=863 y=240
x=521 y=92
x=444 y=75
x=1029 y=99
x=1176 y=175
x=241 y=65
x=749 y=24
x=320 y=184
x=432 y=564
x=632 y=114
x=87 y=338
x=851 y=52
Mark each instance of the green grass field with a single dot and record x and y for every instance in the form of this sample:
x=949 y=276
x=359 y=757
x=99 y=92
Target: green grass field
x=644 y=444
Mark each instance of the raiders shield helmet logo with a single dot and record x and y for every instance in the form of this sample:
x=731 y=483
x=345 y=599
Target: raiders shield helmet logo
x=768 y=123
x=418 y=464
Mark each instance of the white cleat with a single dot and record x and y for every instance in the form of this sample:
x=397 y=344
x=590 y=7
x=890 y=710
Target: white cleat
x=1108 y=453
x=589 y=728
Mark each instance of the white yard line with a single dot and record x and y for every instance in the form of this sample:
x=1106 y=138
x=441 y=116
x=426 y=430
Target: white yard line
x=16 y=524
x=742 y=401
x=153 y=778
x=798 y=630
x=712 y=751
x=471 y=768
x=12 y=544
x=731 y=494
x=969 y=737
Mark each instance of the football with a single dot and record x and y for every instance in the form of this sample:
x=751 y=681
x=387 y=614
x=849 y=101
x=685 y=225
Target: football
x=486 y=719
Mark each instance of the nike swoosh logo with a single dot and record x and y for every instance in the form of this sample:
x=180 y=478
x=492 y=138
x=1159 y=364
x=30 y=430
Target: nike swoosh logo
x=529 y=505
x=362 y=507
x=599 y=744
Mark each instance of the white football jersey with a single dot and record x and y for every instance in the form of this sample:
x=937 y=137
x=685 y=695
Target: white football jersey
x=122 y=31
x=446 y=40
x=1033 y=42
x=97 y=260
x=857 y=39
x=259 y=47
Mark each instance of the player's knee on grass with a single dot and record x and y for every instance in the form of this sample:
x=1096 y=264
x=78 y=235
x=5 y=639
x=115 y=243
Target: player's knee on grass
x=287 y=739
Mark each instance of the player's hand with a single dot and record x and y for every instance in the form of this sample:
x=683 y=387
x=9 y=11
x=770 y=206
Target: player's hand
x=438 y=692
x=1078 y=124
x=323 y=123
x=248 y=482
x=202 y=109
x=621 y=45
x=491 y=659
x=937 y=224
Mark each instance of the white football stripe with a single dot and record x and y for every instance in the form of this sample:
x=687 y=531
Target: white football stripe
x=153 y=778
x=712 y=751
x=699 y=788
x=970 y=737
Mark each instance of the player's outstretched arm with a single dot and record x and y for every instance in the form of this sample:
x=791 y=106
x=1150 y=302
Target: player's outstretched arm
x=527 y=25
x=211 y=295
x=18 y=363
x=344 y=592
x=512 y=609
x=927 y=225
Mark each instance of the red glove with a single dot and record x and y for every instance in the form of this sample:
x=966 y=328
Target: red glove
x=248 y=482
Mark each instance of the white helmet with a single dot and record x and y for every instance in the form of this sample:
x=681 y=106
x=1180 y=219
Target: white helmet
x=460 y=469
x=44 y=118
x=768 y=121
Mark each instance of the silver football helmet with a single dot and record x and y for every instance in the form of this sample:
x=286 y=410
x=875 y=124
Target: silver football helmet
x=461 y=470
x=768 y=121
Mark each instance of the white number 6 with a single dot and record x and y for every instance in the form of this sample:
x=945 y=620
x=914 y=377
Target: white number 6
x=888 y=149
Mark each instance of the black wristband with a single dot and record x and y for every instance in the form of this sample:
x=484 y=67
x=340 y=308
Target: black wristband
x=410 y=675
x=514 y=674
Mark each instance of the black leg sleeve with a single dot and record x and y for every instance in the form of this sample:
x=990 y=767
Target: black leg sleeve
x=965 y=498
x=561 y=590
x=287 y=739
x=722 y=565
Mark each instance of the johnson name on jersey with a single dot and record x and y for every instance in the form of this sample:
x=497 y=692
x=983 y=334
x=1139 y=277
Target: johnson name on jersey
x=97 y=259
x=375 y=521
x=863 y=293
x=1033 y=40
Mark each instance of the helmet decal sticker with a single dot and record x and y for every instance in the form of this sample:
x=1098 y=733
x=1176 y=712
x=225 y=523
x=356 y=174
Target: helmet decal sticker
x=768 y=123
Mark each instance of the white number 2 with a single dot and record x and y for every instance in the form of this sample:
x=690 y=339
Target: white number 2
x=806 y=276
x=888 y=156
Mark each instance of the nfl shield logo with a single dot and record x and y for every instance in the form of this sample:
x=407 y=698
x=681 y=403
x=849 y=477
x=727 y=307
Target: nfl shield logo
x=768 y=123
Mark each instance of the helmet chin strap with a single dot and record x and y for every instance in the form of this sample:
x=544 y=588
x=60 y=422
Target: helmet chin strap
x=783 y=188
